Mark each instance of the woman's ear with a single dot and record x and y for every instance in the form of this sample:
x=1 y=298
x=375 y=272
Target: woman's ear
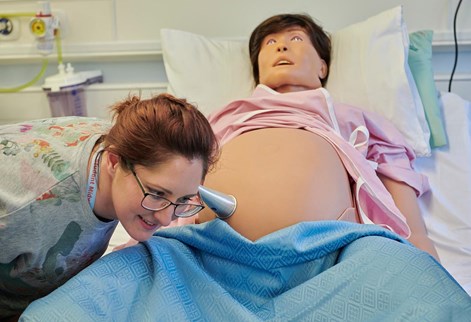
x=112 y=162
x=323 y=70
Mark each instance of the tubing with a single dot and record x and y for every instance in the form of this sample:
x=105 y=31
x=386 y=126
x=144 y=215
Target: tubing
x=43 y=67
x=31 y=82
x=18 y=14
x=57 y=37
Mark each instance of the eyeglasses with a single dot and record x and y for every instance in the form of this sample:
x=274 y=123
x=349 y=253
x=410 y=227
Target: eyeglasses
x=154 y=202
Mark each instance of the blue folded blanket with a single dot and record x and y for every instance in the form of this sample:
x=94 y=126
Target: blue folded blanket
x=316 y=271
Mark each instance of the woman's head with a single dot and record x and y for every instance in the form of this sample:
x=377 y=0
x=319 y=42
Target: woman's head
x=318 y=38
x=149 y=132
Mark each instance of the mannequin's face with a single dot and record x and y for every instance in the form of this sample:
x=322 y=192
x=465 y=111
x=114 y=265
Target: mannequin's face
x=289 y=62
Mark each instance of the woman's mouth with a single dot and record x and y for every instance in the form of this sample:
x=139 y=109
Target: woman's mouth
x=282 y=62
x=147 y=224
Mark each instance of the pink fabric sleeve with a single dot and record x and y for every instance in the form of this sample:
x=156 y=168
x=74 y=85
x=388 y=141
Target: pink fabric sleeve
x=386 y=146
x=394 y=156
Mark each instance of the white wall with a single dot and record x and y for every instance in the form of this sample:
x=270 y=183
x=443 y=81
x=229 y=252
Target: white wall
x=121 y=37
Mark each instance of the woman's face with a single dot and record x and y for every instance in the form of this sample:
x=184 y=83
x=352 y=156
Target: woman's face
x=177 y=180
x=289 y=62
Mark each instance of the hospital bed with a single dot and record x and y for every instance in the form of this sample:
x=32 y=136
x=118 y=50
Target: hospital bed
x=377 y=64
x=410 y=99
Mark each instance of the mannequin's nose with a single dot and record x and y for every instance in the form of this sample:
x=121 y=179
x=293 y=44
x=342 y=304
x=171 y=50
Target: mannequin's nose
x=282 y=48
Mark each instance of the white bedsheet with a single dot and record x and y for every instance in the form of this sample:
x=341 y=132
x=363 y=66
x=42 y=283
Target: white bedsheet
x=447 y=208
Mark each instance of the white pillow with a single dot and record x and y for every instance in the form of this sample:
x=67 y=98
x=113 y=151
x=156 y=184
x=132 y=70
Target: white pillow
x=207 y=72
x=369 y=69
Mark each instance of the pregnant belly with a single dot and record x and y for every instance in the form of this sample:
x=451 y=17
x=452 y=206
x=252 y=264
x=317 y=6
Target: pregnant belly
x=280 y=177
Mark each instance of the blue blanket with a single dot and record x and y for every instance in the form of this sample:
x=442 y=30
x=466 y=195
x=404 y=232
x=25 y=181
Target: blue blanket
x=316 y=271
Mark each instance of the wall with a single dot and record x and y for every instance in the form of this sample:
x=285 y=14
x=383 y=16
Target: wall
x=121 y=38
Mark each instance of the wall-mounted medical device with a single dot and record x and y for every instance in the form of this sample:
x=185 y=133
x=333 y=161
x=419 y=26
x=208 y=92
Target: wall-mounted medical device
x=44 y=27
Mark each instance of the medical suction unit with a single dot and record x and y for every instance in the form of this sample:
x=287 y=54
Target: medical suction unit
x=66 y=89
x=223 y=205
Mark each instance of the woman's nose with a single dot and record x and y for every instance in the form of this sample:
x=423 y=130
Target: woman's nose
x=282 y=47
x=165 y=216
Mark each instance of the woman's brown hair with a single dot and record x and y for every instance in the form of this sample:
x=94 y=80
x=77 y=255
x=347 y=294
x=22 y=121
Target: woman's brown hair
x=149 y=132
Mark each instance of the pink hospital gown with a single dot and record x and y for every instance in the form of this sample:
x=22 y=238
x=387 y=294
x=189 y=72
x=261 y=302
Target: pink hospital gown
x=366 y=143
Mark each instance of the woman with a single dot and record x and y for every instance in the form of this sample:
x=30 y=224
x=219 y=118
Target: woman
x=66 y=182
x=290 y=155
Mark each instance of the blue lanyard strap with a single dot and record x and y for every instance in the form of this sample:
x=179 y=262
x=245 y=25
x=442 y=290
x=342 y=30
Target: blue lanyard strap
x=93 y=175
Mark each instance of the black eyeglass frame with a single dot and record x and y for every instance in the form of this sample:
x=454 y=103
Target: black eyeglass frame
x=198 y=207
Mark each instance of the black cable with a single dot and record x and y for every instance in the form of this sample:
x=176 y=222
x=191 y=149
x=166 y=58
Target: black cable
x=456 y=46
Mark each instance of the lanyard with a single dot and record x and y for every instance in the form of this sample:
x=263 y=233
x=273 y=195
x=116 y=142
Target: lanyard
x=93 y=175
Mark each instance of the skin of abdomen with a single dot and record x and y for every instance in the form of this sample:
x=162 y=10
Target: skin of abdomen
x=279 y=177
